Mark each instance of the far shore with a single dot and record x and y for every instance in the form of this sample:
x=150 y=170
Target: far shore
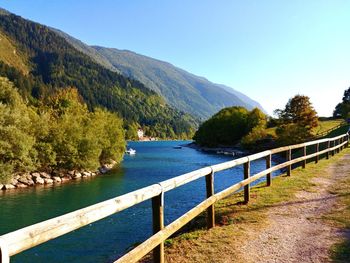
x=225 y=150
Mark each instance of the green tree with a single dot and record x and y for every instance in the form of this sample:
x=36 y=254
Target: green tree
x=300 y=111
x=296 y=120
x=17 y=141
x=228 y=126
x=343 y=108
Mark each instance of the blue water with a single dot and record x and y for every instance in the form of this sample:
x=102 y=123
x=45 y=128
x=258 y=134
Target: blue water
x=108 y=239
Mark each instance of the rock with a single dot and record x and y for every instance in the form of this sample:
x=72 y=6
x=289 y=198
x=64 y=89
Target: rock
x=93 y=174
x=30 y=182
x=17 y=176
x=65 y=179
x=20 y=185
x=57 y=179
x=77 y=175
x=71 y=173
x=9 y=186
x=39 y=180
x=86 y=174
x=14 y=181
x=35 y=175
x=23 y=179
x=1 y=186
x=103 y=169
x=28 y=176
x=48 y=181
x=45 y=175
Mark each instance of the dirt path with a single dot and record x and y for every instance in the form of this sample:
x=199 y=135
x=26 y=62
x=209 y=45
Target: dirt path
x=295 y=232
x=292 y=231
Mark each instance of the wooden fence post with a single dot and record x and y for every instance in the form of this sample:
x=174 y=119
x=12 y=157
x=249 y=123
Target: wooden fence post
x=268 y=166
x=289 y=157
x=247 y=187
x=209 y=181
x=317 y=150
x=333 y=144
x=338 y=142
x=4 y=254
x=348 y=138
x=158 y=224
x=304 y=154
x=328 y=145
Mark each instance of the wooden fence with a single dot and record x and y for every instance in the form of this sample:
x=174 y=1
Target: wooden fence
x=31 y=236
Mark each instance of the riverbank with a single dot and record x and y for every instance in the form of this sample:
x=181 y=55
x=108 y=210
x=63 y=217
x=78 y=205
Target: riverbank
x=30 y=179
x=304 y=217
x=225 y=150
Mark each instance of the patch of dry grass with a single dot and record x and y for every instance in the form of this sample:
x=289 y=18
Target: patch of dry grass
x=10 y=55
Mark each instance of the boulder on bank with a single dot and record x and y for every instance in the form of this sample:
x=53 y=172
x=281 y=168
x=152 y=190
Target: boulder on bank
x=86 y=174
x=26 y=179
x=48 y=181
x=76 y=175
x=39 y=180
x=45 y=175
x=57 y=179
x=13 y=182
x=20 y=185
x=9 y=186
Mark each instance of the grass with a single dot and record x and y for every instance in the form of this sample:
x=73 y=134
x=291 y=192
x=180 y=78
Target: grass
x=340 y=217
x=326 y=125
x=233 y=218
x=10 y=55
x=322 y=127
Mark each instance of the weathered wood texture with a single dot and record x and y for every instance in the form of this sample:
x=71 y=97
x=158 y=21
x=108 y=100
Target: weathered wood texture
x=209 y=180
x=31 y=236
x=268 y=166
x=289 y=157
x=247 y=187
x=158 y=225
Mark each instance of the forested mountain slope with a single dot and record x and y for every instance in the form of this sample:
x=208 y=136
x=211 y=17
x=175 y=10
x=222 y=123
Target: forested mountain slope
x=54 y=63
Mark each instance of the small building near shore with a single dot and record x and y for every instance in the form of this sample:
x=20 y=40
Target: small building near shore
x=140 y=134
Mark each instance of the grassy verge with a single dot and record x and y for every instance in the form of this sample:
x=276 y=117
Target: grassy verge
x=340 y=217
x=234 y=218
x=326 y=125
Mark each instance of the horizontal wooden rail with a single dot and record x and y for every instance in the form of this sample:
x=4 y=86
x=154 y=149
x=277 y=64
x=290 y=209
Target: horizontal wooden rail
x=31 y=236
x=34 y=235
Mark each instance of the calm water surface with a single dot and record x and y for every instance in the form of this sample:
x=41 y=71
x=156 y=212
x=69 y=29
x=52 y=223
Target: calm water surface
x=108 y=239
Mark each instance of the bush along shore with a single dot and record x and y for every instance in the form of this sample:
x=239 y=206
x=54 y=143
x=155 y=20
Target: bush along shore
x=26 y=179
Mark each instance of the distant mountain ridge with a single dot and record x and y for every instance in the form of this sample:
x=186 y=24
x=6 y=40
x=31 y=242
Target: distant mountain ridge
x=181 y=89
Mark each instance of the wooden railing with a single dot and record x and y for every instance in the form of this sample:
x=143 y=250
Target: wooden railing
x=31 y=236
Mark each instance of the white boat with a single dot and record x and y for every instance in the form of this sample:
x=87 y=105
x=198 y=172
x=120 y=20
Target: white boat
x=130 y=151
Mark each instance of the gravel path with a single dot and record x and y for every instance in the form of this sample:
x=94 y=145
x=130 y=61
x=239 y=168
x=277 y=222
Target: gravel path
x=295 y=232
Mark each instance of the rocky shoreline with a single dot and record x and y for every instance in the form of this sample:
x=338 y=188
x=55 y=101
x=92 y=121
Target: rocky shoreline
x=24 y=180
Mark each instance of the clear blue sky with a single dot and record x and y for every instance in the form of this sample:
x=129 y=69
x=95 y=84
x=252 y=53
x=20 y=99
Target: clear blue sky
x=270 y=50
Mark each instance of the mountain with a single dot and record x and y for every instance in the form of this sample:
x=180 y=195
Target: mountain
x=42 y=61
x=181 y=89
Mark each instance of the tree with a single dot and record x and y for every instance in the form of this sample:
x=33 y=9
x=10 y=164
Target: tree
x=343 y=108
x=296 y=120
x=17 y=141
x=228 y=126
x=300 y=111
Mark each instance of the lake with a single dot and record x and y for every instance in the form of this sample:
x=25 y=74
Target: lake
x=108 y=239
